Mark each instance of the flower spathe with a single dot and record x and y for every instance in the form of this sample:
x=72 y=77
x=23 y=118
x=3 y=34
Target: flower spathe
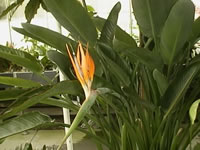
x=84 y=67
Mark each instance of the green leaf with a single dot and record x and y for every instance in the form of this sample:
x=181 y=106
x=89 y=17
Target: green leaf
x=61 y=103
x=21 y=58
x=124 y=137
x=31 y=9
x=44 y=6
x=115 y=69
x=84 y=109
x=149 y=58
x=44 y=147
x=197 y=146
x=47 y=36
x=28 y=146
x=108 y=31
x=100 y=82
x=176 y=31
x=120 y=46
x=41 y=93
x=120 y=34
x=124 y=37
x=22 y=123
x=114 y=56
x=18 y=82
x=161 y=81
x=11 y=7
x=149 y=18
x=72 y=16
x=25 y=33
x=61 y=61
x=193 y=111
x=10 y=94
x=195 y=31
x=176 y=90
x=2 y=140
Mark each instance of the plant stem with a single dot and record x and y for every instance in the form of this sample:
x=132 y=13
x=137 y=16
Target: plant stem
x=87 y=104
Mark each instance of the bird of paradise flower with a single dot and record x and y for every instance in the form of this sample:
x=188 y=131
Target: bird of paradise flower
x=84 y=68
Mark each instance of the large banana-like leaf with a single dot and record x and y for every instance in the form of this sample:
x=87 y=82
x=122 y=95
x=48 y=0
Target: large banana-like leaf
x=24 y=32
x=21 y=58
x=176 y=31
x=45 y=35
x=151 y=15
x=10 y=94
x=108 y=31
x=18 y=82
x=72 y=16
x=176 y=90
x=22 y=123
x=38 y=94
x=120 y=35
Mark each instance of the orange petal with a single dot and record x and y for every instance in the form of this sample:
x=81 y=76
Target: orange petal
x=84 y=65
x=75 y=67
x=78 y=56
x=91 y=65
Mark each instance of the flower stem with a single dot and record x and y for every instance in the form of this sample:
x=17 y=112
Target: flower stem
x=87 y=104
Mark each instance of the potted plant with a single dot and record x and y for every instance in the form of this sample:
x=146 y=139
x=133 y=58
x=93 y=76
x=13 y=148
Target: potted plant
x=36 y=49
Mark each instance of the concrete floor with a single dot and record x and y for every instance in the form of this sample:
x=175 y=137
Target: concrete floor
x=48 y=138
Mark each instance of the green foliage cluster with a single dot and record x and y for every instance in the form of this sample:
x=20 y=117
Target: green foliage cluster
x=33 y=47
x=38 y=50
x=30 y=10
x=146 y=90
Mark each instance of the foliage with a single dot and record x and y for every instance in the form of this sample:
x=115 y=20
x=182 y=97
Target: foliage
x=33 y=47
x=8 y=66
x=22 y=123
x=12 y=7
x=148 y=88
x=30 y=9
x=21 y=58
x=38 y=50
